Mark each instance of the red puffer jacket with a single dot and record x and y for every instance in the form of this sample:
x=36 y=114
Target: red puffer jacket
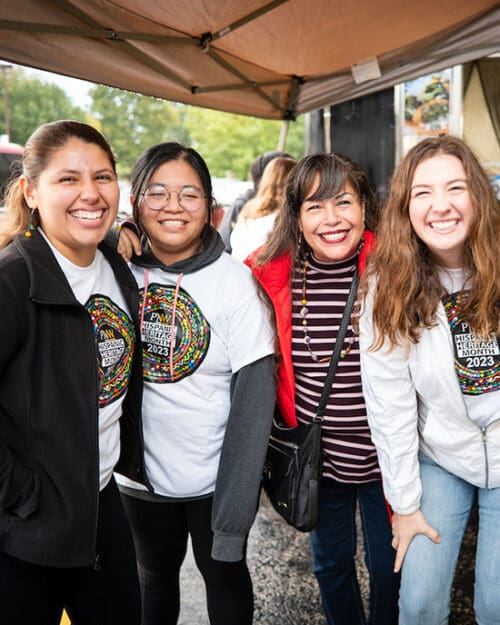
x=274 y=277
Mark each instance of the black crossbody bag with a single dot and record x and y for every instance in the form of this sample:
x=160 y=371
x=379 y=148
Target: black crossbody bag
x=292 y=469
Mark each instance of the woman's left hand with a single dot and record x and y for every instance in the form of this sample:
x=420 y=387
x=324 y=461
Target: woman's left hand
x=128 y=244
x=404 y=529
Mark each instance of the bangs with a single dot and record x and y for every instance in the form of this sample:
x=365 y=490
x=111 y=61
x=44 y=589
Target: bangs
x=331 y=183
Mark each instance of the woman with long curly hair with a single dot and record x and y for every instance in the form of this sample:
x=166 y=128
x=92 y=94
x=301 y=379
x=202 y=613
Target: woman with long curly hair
x=431 y=373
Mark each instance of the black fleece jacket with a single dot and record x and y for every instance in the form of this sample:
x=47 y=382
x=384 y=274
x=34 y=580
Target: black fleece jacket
x=49 y=453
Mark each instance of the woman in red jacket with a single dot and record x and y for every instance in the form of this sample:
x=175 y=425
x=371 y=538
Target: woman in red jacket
x=320 y=238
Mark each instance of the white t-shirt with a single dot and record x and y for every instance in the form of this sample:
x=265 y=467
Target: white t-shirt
x=477 y=361
x=95 y=287
x=221 y=325
x=250 y=234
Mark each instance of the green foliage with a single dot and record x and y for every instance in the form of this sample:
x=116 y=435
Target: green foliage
x=436 y=88
x=229 y=143
x=33 y=102
x=132 y=122
x=411 y=105
x=295 y=141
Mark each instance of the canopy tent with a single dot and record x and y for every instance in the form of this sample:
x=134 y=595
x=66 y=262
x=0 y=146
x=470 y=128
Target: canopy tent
x=268 y=59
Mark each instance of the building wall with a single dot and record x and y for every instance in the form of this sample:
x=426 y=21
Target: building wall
x=364 y=129
x=478 y=130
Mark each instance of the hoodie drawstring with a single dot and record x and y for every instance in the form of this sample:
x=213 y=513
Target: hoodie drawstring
x=143 y=303
x=172 y=327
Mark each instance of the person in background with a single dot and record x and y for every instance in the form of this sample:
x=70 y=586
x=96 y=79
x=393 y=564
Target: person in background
x=217 y=215
x=232 y=211
x=431 y=372
x=320 y=239
x=257 y=217
x=68 y=328
x=209 y=393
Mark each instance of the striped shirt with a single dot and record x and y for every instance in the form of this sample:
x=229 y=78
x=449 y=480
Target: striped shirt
x=348 y=452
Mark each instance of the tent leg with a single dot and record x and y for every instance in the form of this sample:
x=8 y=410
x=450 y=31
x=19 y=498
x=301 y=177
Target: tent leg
x=283 y=135
x=327 y=121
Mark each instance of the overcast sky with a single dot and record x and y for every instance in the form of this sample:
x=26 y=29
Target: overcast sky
x=74 y=88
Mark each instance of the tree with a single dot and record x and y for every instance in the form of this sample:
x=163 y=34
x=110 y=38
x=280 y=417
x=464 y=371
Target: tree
x=229 y=143
x=133 y=122
x=33 y=102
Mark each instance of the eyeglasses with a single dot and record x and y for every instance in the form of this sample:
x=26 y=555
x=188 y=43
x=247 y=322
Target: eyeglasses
x=157 y=197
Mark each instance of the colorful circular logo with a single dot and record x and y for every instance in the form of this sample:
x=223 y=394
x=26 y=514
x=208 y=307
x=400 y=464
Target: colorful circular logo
x=190 y=333
x=477 y=359
x=115 y=337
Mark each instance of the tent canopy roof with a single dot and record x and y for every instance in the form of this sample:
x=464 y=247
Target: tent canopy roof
x=272 y=59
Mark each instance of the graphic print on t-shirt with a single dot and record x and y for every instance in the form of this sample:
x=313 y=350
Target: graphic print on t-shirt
x=191 y=334
x=477 y=359
x=115 y=337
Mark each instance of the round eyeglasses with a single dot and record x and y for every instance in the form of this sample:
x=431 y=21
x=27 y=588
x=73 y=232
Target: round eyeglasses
x=157 y=197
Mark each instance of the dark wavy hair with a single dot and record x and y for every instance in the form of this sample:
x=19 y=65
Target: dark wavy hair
x=334 y=171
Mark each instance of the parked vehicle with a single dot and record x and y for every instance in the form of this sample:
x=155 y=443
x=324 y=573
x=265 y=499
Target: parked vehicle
x=9 y=153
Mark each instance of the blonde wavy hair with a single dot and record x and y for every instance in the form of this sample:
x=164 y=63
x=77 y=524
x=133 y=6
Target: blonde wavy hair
x=407 y=285
x=271 y=189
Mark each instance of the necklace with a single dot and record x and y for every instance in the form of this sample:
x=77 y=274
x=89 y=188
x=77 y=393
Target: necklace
x=303 y=313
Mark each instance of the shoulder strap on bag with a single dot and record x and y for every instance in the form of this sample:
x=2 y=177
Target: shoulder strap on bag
x=338 y=347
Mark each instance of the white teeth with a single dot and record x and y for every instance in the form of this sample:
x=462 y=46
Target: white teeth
x=88 y=215
x=172 y=222
x=334 y=236
x=444 y=225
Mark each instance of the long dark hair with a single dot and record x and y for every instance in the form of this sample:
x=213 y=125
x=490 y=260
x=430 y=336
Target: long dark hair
x=155 y=157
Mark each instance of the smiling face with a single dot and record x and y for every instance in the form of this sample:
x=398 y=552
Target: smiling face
x=333 y=227
x=441 y=209
x=77 y=198
x=174 y=232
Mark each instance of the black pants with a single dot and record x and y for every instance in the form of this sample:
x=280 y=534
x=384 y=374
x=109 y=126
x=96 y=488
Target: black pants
x=32 y=594
x=161 y=532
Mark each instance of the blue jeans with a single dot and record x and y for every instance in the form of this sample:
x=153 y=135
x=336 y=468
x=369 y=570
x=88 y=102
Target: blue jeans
x=333 y=545
x=428 y=568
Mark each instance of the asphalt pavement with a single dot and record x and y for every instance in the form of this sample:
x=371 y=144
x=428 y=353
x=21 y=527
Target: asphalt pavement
x=284 y=586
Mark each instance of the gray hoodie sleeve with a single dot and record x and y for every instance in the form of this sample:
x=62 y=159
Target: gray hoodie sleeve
x=237 y=489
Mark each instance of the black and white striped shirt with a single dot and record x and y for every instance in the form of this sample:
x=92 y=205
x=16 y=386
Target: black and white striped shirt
x=348 y=452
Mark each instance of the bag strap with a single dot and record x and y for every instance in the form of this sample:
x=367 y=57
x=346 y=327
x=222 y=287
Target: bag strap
x=338 y=347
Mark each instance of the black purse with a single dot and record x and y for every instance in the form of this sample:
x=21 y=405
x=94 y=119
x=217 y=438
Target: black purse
x=292 y=469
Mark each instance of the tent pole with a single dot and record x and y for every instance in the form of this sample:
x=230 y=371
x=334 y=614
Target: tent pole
x=283 y=135
x=327 y=119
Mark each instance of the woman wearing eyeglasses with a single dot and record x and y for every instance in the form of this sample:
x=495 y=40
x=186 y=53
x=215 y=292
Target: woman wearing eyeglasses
x=208 y=393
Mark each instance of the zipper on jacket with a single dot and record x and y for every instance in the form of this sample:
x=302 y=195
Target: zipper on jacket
x=485 y=450
x=484 y=438
x=95 y=555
